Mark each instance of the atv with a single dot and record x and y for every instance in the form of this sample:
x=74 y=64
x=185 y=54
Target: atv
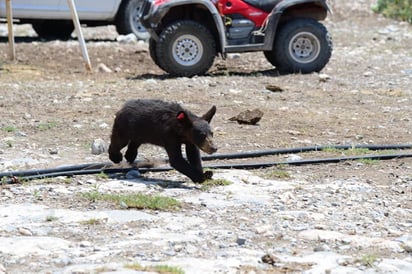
x=187 y=35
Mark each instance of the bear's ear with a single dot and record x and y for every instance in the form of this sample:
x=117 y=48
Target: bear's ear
x=183 y=118
x=209 y=115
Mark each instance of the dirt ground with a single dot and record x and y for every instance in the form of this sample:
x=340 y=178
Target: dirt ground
x=363 y=98
x=51 y=108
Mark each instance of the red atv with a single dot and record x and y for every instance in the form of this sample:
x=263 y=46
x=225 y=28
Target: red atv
x=186 y=35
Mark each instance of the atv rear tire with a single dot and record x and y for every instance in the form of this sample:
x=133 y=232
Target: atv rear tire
x=152 y=52
x=185 y=48
x=300 y=46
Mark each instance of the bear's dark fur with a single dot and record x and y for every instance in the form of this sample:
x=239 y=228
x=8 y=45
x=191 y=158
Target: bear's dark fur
x=167 y=125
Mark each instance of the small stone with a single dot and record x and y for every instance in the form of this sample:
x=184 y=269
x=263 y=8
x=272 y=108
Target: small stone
x=123 y=205
x=263 y=229
x=407 y=246
x=367 y=73
x=98 y=147
x=324 y=77
x=270 y=259
x=321 y=248
x=133 y=174
x=103 y=125
x=294 y=157
x=103 y=68
x=85 y=244
x=25 y=231
x=274 y=88
x=233 y=55
x=240 y=241
x=127 y=39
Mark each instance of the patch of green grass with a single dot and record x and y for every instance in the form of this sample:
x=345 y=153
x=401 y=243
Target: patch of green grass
x=278 y=173
x=214 y=182
x=51 y=218
x=9 y=143
x=92 y=221
x=102 y=175
x=9 y=128
x=367 y=260
x=162 y=269
x=396 y=9
x=93 y=196
x=134 y=200
x=46 y=126
x=37 y=195
x=332 y=150
x=351 y=151
x=368 y=161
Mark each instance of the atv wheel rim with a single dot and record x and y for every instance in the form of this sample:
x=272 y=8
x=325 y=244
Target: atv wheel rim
x=187 y=50
x=138 y=29
x=304 y=47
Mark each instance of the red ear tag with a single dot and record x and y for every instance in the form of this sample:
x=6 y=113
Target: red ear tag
x=181 y=116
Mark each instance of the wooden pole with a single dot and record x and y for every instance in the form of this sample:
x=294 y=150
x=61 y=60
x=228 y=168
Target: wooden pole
x=12 y=52
x=79 y=33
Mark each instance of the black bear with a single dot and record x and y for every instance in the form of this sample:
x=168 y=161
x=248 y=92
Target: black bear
x=167 y=125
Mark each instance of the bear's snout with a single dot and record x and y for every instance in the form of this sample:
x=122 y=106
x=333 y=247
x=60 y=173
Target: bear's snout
x=208 y=146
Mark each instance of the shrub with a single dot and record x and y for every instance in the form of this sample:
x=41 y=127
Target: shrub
x=396 y=9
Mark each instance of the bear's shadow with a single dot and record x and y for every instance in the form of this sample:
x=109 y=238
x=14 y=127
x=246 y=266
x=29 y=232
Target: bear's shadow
x=164 y=183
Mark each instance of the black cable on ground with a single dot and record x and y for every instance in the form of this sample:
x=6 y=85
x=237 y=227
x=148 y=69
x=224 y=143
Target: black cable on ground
x=241 y=155
x=260 y=153
x=14 y=179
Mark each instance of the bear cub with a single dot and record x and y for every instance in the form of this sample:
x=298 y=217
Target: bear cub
x=167 y=125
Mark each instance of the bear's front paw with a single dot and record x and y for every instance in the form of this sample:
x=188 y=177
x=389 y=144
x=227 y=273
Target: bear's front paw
x=207 y=175
x=116 y=157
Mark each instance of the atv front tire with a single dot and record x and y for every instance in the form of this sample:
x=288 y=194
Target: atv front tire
x=300 y=46
x=185 y=48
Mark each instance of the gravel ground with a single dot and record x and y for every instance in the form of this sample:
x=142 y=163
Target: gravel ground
x=345 y=217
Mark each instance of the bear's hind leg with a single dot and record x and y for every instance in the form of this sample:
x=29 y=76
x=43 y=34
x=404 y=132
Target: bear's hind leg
x=131 y=152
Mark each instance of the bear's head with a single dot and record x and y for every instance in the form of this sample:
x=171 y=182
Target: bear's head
x=197 y=129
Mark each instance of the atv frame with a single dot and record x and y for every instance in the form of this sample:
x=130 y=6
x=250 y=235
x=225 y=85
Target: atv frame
x=268 y=15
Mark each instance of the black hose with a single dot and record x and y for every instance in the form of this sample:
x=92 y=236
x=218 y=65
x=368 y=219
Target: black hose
x=241 y=155
x=260 y=153
x=95 y=168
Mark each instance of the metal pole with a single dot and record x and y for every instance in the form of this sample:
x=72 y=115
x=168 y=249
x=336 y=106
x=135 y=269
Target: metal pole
x=79 y=33
x=12 y=52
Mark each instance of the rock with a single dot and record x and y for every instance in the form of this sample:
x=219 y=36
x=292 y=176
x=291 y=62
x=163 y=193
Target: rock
x=250 y=117
x=274 y=88
x=98 y=147
x=324 y=77
x=320 y=248
x=133 y=174
x=127 y=39
x=103 y=68
x=270 y=259
x=240 y=241
x=25 y=231
x=407 y=246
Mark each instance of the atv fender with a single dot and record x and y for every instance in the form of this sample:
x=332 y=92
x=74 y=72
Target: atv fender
x=319 y=13
x=157 y=13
